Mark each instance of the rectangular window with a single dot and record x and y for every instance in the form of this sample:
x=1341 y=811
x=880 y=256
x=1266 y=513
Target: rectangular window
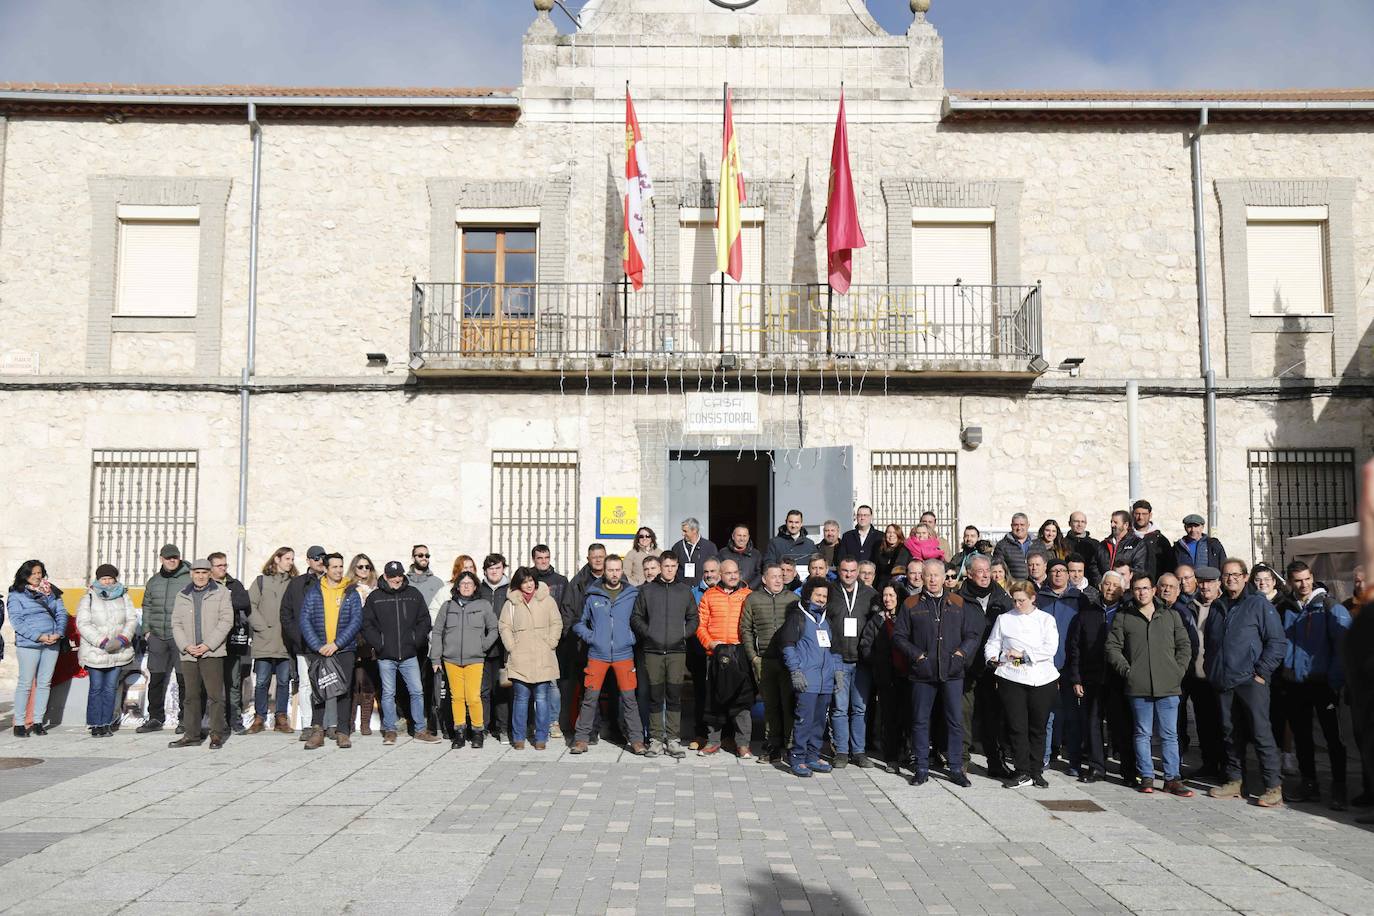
x=699 y=301
x=158 y=264
x=1297 y=491
x=496 y=290
x=534 y=500
x=1286 y=256
x=952 y=245
x=140 y=500
x=906 y=484
x=953 y=307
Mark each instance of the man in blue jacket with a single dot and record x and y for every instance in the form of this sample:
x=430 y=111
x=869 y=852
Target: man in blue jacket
x=1243 y=645
x=1197 y=548
x=605 y=628
x=1062 y=601
x=1315 y=624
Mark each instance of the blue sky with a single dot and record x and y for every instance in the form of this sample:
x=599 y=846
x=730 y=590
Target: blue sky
x=989 y=44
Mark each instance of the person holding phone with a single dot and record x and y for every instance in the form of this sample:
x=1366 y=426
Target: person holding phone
x=40 y=624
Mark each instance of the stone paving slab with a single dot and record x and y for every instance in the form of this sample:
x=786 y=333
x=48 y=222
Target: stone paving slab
x=132 y=827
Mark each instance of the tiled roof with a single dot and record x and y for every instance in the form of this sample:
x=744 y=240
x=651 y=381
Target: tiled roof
x=283 y=92
x=1182 y=95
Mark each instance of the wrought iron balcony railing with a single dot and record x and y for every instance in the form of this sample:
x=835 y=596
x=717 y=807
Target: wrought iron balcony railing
x=455 y=323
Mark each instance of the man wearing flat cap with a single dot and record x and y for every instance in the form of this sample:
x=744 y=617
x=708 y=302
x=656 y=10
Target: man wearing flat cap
x=159 y=595
x=1197 y=548
x=202 y=617
x=1206 y=711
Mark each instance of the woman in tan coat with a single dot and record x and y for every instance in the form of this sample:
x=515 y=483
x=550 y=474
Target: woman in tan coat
x=530 y=628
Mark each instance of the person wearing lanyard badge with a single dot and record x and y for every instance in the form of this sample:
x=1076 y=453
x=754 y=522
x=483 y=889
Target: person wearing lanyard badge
x=691 y=551
x=848 y=609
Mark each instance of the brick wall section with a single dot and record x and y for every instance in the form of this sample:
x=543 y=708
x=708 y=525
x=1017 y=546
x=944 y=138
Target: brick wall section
x=107 y=194
x=1338 y=196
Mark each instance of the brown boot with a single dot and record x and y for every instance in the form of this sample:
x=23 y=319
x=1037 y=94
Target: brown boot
x=366 y=702
x=283 y=725
x=316 y=739
x=258 y=727
x=579 y=747
x=1272 y=798
x=1229 y=789
x=341 y=738
x=425 y=736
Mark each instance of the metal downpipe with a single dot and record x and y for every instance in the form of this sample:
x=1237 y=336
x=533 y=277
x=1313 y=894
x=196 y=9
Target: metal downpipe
x=1204 y=324
x=250 y=368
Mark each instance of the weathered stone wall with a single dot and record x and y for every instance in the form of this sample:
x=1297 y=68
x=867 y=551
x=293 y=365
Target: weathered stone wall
x=377 y=471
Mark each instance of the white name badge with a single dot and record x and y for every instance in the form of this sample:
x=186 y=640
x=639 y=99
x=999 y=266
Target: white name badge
x=823 y=638
x=689 y=570
x=851 y=626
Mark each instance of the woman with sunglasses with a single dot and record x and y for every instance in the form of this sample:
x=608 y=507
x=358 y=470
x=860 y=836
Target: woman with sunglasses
x=366 y=675
x=646 y=545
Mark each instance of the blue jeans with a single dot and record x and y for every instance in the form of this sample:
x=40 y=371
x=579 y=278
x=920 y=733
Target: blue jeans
x=264 y=669
x=1066 y=723
x=544 y=695
x=1149 y=712
x=808 y=727
x=410 y=672
x=851 y=705
x=35 y=676
x=100 y=701
x=950 y=695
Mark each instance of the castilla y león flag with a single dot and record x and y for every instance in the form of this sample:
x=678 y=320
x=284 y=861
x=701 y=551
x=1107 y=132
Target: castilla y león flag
x=638 y=190
x=843 y=234
x=729 y=249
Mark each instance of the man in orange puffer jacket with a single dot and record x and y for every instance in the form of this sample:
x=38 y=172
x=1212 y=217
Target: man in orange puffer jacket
x=730 y=682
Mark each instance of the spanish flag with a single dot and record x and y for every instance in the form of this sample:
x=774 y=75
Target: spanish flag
x=729 y=249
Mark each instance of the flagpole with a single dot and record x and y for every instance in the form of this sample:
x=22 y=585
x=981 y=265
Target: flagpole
x=720 y=195
x=624 y=274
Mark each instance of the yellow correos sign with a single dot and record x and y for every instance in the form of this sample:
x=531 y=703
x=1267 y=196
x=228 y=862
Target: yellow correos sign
x=617 y=516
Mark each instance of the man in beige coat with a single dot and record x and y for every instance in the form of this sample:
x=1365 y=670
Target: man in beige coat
x=201 y=619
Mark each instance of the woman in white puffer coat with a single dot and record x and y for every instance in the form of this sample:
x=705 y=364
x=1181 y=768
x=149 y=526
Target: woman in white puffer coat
x=106 y=620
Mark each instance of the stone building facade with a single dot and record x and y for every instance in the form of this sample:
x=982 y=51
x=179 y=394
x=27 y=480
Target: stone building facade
x=403 y=391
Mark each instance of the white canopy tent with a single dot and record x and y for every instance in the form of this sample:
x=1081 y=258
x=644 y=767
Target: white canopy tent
x=1331 y=554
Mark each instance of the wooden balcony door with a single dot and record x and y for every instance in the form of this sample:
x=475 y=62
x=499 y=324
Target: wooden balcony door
x=497 y=290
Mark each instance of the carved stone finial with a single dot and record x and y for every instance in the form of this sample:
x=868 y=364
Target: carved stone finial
x=920 y=7
x=546 y=6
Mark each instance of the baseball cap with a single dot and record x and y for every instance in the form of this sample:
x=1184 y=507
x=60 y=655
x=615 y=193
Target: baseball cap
x=394 y=568
x=1194 y=519
x=200 y=564
x=170 y=552
x=315 y=553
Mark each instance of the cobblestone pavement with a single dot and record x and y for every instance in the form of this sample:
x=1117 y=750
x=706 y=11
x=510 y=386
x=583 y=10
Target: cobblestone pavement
x=126 y=825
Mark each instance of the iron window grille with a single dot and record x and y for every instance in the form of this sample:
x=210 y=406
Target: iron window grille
x=534 y=498
x=1295 y=491
x=905 y=484
x=140 y=500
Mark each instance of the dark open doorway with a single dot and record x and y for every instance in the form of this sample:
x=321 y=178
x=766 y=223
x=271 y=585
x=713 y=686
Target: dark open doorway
x=722 y=489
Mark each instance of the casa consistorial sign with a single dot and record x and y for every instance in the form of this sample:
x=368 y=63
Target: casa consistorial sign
x=717 y=413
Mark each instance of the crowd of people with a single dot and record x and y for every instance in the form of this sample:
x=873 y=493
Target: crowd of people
x=867 y=648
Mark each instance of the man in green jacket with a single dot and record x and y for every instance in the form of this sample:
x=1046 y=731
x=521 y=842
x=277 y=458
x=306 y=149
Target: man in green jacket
x=159 y=596
x=1149 y=647
x=759 y=623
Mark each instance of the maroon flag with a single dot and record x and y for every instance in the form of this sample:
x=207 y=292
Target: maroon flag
x=843 y=234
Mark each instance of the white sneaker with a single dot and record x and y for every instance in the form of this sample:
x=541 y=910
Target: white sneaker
x=555 y=731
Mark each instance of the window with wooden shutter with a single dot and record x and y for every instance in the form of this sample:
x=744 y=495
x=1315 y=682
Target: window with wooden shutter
x=159 y=262
x=1286 y=258
x=697 y=327
x=954 y=305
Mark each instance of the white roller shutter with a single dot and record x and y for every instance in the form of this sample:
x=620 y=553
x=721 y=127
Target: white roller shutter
x=1287 y=264
x=945 y=253
x=698 y=253
x=159 y=266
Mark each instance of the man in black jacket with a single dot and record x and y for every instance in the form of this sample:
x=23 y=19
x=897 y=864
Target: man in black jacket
x=664 y=618
x=495 y=698
x=1079 y=540
x=396 y=624
x=862 y=539
x=982 y=708
x=791 y=541
x=849 y=606
x=1123 y=546
x=557 y=583
x=692 y=551
x=291 y=601
x=238 y=660
x=1159 y=549
x=938 y=639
